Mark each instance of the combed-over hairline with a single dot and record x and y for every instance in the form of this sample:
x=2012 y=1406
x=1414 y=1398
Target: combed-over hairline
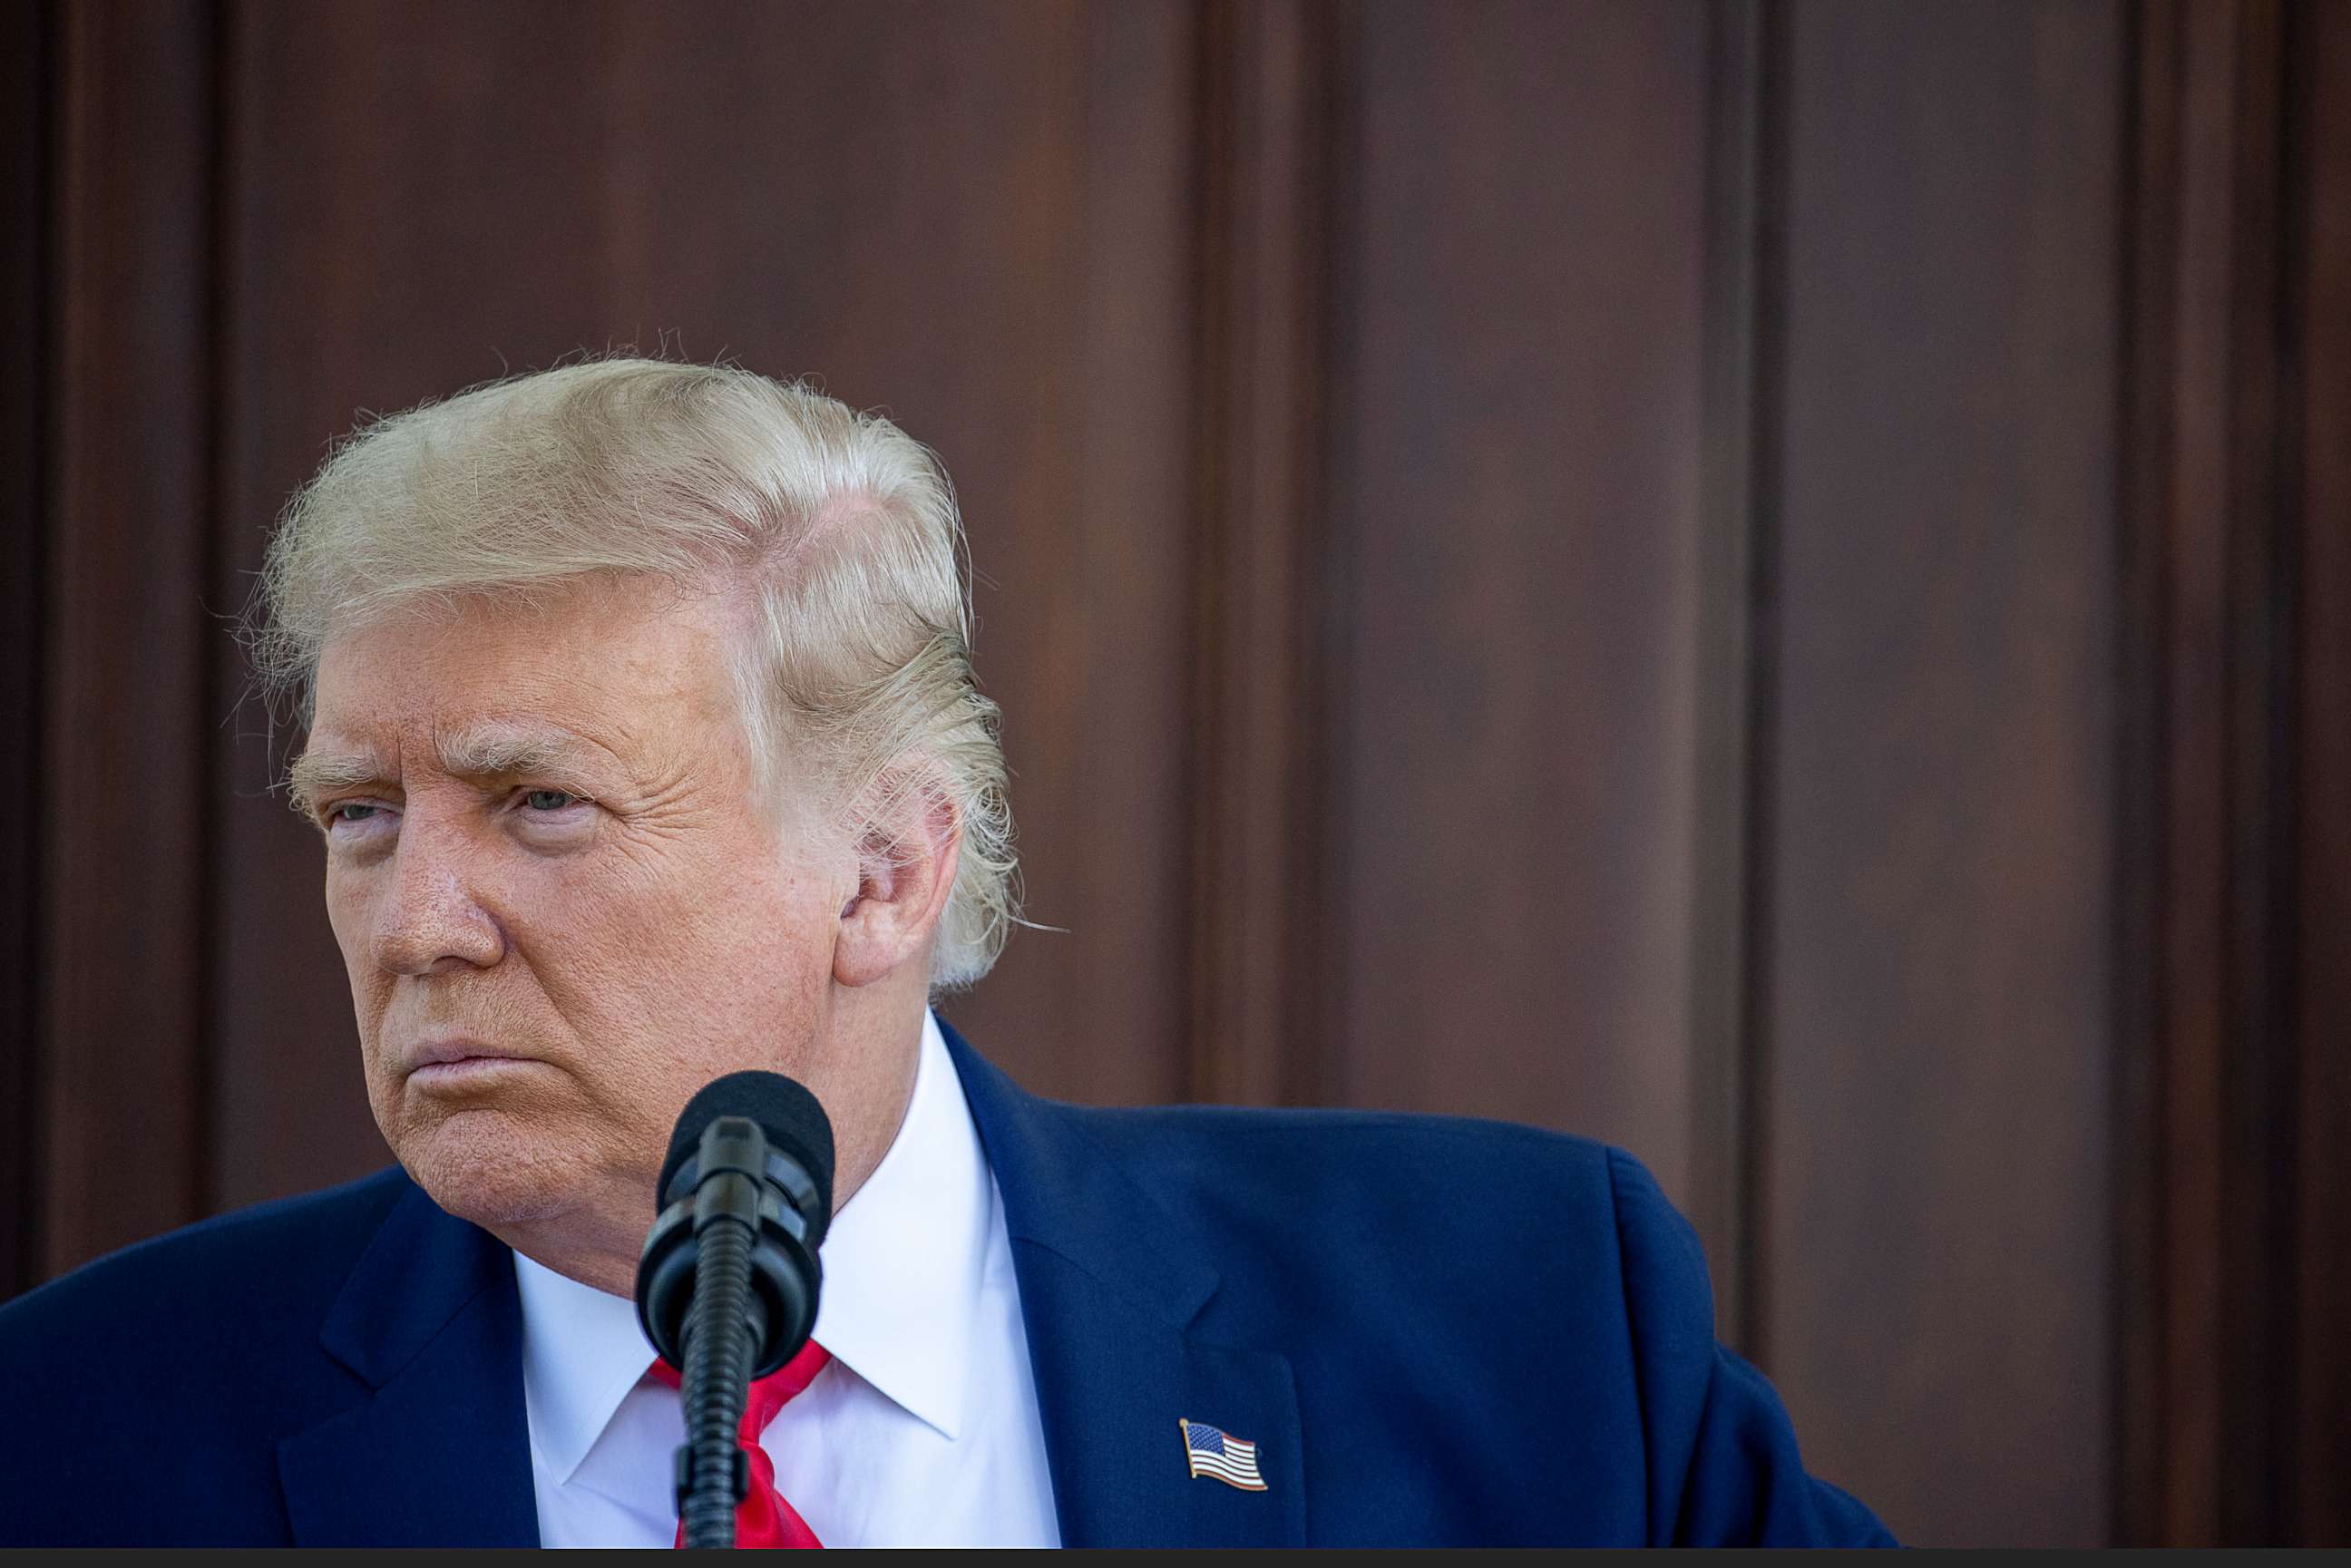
x=738 y=482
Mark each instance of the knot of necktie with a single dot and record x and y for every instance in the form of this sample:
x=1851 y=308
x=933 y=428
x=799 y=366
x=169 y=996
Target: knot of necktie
x=763 y=1517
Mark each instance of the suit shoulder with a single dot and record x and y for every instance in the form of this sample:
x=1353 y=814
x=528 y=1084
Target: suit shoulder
x=1481 y=1184
x=1345 y=1142
x=290 y=1254
x=1359 y=1240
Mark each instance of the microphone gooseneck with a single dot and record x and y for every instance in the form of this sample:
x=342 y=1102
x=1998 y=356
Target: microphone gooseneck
x=726 y=1288
x=715 y=1381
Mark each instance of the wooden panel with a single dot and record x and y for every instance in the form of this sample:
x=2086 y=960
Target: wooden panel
x=1731 y=835
x=2206 y=937
x=1916 y=833
x=981 y=226
x=2144 y=1212
x=126 y=698
x=1934 y=1276
x=2319 y=243
x=1087 y=631
x=24 y=113
x=1262 y=619
x=1516 y=470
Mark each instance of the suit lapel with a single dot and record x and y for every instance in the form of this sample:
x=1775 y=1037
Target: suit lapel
x=1114 y=1384
x=1112 y=1292
x=436 y=1450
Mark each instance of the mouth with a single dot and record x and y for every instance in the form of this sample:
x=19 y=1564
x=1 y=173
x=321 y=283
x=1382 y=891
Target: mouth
x=459 y=1064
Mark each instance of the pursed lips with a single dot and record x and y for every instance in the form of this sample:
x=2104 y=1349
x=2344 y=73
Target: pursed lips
x=449 y=1059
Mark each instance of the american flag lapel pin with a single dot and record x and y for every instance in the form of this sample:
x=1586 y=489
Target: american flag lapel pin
x=1209 y=1452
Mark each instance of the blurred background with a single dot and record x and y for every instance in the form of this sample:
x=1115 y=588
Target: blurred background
x=1763 y=581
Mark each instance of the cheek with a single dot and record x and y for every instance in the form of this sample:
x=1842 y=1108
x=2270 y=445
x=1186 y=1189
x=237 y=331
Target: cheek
x=348 y=907
x=704 y=893
x=680 y=969
x=342 y=907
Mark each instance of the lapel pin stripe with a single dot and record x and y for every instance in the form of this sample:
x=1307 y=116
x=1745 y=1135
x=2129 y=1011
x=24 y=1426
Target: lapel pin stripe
x=1232 y=1460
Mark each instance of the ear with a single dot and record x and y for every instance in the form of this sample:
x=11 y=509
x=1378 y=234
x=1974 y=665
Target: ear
x=907 y=860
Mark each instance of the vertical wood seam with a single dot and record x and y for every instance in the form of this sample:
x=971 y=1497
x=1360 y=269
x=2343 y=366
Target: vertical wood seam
x=129 y=276
x=2317 y=50
x=1211 y=370
x=2273 y=943
x=1331 y=605
x=1774 y=54
x=2141 y=361
x=1721 y=1027
x=2211 y=1467
x=1310 y=1049
x=1256 y=784
x=2251 y=1466
x=26 y=1137
x=218 y=732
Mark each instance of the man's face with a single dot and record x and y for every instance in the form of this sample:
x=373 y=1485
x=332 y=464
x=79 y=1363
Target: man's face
x=561 y=907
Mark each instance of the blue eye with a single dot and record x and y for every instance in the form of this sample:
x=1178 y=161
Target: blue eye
x=352 y=811
x=548 y=799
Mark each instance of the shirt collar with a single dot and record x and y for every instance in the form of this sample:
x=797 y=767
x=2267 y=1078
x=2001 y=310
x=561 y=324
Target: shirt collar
x=906 y=1256
x=581 y=1353
x=904 y=1265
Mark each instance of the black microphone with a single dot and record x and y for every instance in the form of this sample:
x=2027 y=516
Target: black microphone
x=726 y=1288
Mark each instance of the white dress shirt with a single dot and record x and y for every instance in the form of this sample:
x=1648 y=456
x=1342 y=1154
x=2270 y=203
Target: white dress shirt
x=923 y=1431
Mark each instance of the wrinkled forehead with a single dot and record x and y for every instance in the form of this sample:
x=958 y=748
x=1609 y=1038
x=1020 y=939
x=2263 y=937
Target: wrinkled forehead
x=632 y=664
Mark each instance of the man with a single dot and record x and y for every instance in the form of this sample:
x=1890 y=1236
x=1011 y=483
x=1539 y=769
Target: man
x=643 y=742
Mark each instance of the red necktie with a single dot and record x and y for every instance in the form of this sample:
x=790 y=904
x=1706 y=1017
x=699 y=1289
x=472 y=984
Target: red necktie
x=763 y=1517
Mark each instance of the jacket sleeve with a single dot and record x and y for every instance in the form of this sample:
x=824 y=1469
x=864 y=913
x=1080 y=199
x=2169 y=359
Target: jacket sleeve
x=1722 y=1457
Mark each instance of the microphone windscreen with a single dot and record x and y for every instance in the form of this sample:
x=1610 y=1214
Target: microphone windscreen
x=784 y=1109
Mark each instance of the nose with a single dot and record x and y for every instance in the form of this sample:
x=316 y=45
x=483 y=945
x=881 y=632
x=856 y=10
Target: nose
x=432 y=923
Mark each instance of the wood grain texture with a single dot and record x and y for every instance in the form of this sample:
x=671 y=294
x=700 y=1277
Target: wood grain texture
x=1935 y=1268
x=123 y=720
x=1515 y=422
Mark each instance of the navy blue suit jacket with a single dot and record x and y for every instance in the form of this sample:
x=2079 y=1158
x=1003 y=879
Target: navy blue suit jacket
x=1434 y=1331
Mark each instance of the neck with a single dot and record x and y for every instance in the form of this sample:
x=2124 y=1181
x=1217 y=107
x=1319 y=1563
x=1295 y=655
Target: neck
x=864 y=1077
x=862 y=1073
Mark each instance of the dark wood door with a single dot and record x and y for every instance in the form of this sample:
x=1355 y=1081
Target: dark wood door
x=1763 y=581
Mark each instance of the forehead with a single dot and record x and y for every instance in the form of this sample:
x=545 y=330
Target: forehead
x=615 y=659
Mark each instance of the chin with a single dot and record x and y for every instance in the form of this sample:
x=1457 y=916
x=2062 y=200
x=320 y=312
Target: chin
x=491 y=1168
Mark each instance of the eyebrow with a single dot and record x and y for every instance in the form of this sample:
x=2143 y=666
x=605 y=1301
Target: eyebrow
x=317 y=773
x=496 y=749
x=493 y=750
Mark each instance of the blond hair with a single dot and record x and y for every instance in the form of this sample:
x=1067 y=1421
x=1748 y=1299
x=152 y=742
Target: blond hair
x=839 y=529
